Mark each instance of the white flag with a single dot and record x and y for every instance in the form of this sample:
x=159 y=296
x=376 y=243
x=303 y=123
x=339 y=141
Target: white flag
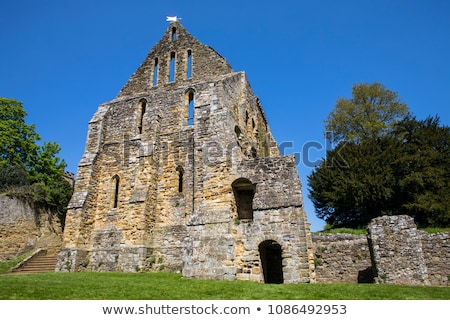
x=172 y=19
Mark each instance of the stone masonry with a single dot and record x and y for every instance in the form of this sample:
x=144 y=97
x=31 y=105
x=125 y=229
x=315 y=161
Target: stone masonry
x=181 y=173
x=396 y=251
x=24 y=228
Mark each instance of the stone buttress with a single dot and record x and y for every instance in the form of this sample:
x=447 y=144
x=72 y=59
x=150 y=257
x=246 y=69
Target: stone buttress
x=181 y=173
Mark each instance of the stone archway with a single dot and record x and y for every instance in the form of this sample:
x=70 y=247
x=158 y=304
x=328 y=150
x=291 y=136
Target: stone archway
x=271 y=261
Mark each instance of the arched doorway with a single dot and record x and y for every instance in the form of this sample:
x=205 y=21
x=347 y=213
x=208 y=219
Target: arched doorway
x=271 y=261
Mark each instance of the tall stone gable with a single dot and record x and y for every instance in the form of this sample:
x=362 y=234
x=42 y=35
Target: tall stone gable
x=181 y=173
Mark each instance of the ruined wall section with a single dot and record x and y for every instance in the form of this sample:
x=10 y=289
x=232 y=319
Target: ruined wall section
x=436 y=251
x=342 y=258
x=396 y=251
x=278 y=215
x=24 y=228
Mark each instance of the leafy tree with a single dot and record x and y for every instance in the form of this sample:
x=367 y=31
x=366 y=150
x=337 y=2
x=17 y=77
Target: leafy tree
x=17 y=139
x=404 y=172
x=28 y=170
x=370 y=113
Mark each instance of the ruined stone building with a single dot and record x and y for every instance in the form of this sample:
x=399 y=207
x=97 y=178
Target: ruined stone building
x=181 y=173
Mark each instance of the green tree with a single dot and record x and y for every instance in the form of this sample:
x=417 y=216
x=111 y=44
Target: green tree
x=17 y=139
x=404 y=172
x=423 y=170
x=354 y=184
x=370 y=113
x=28 y=170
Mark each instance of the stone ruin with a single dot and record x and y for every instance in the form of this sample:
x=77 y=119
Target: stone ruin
x=396 y=251
x=181 y=173
x=393 y=251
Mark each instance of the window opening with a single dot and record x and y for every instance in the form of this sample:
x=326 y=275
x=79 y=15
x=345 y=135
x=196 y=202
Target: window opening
x=155 y=73
x=141 y=110
x=116 y=191
x=244 y=191
x=190 y=108
x=172 y=67
x=180 y=178
x=189 y=65
x=174 y=34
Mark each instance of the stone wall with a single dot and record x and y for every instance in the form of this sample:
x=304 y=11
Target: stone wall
x=436 y=252
x=396 y=250
x=342 y=258
x=393 y=251
x=23 y=229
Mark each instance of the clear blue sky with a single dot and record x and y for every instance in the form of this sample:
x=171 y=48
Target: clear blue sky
x=64 y=58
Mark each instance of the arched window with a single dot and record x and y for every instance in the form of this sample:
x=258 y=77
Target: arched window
x=190 y=106
x=244 y=191
x=180 y=172
x=155 y=73
x=115 y=191
x=141 y=111
x=189 y=65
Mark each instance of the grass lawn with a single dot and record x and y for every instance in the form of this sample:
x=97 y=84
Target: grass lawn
x=171 y=286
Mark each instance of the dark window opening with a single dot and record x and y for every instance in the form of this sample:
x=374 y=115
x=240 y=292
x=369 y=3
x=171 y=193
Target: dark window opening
x=189 y=65
x=155 y=73
x=238 y=132
x=244 y=191
x=172 y=67
x=174 y=34
x=190 y=108
x=271 y=261
x=180 y=178
x=142 y=107
x=116 y=191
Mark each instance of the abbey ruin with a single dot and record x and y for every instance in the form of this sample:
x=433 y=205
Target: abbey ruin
x=181 y=173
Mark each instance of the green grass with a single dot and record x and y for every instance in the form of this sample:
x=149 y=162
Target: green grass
x=171 y=286
x=364 y=231
x=435 y=230
x=5 y=266
x=343 y=230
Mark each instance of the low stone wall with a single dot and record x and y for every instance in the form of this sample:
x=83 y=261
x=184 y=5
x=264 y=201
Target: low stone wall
x=436 y=251
x=393 y=251
x=22 y=229
x=342 y=258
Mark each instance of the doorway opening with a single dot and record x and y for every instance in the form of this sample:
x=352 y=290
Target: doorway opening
x=271 y=261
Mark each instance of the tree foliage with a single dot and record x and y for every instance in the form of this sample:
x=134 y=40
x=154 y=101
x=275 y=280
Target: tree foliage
x=370 y=113
x=17 y=139
x=404 y=172
x=28 y=170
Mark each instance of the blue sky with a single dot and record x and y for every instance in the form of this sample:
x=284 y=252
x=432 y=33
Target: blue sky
x=64 y=58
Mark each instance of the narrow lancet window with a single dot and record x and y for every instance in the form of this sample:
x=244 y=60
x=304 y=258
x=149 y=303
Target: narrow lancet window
x=180 y=178
x=172 y=67
x=190 y=108
x=174 y=34
x=189 y=65
x=141 y=111
x=155 y=73
x=115 y=183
